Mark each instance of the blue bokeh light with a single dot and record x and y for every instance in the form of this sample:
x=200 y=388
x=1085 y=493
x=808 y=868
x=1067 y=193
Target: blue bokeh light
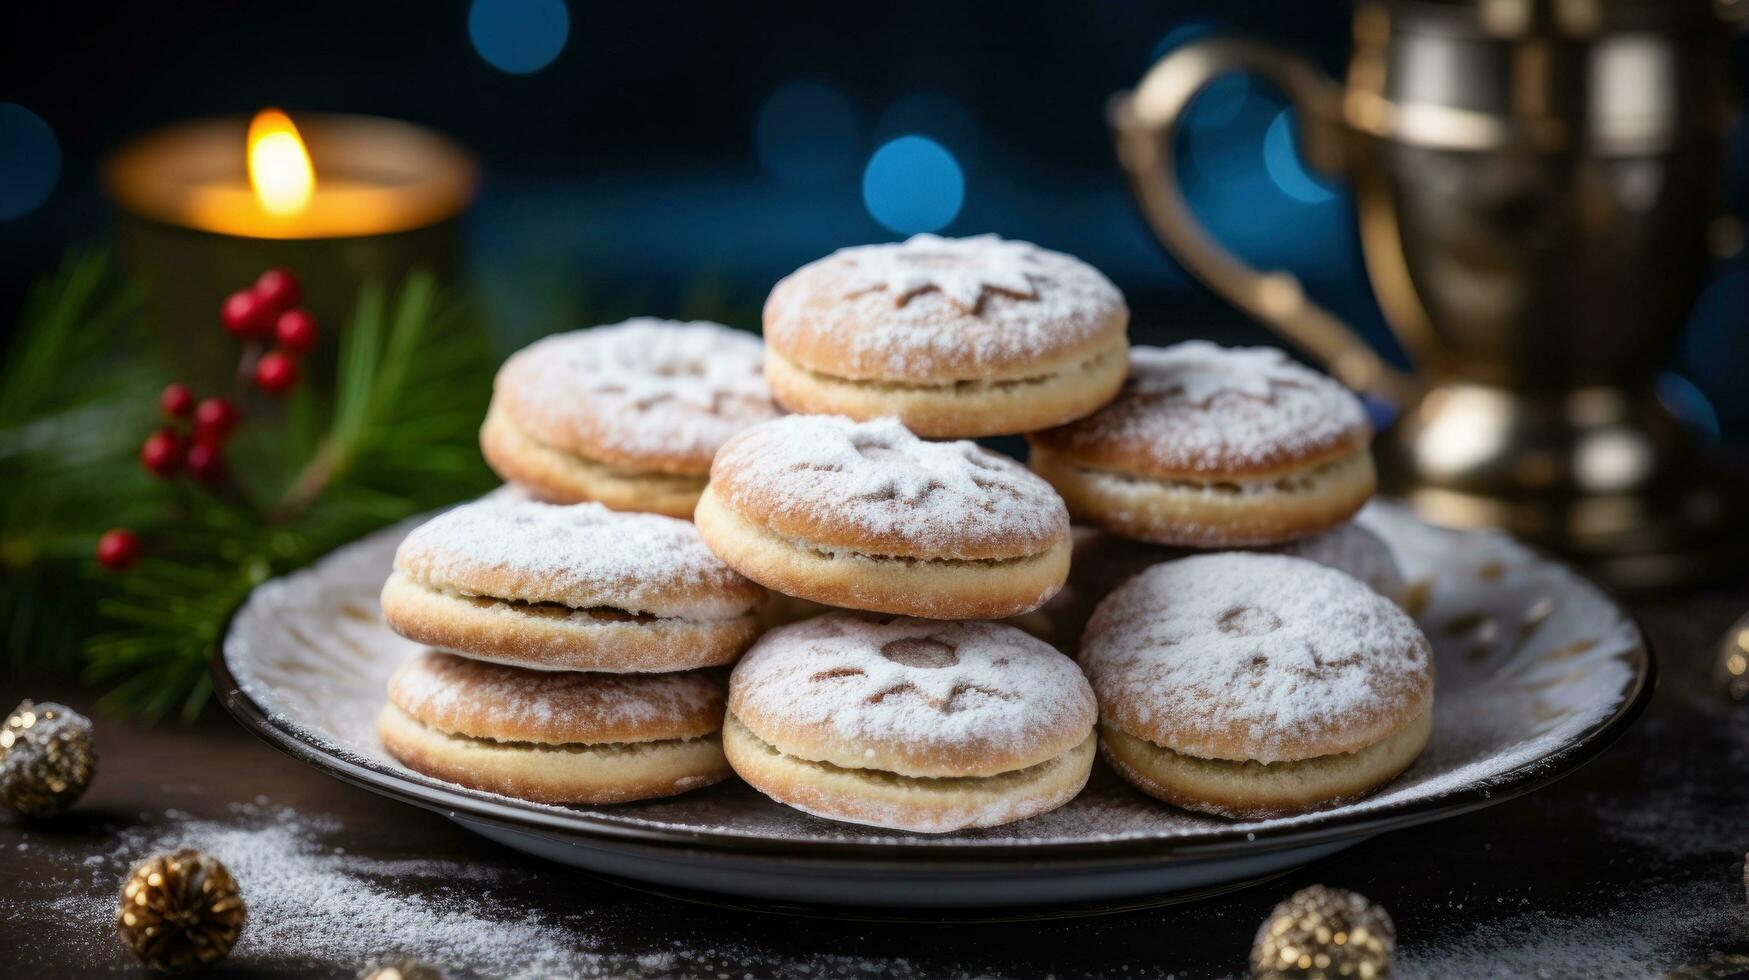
x=1684 y=399
x=807 y=133
x=30 y=161
x=937 y=116
x=913 y=184
x=518 y=36
x=1281 y=157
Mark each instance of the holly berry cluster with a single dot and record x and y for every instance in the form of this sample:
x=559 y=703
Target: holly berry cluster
x=193 y=438
x=268 y=312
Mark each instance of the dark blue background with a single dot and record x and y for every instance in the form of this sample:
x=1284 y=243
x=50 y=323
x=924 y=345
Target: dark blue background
x=636 y=171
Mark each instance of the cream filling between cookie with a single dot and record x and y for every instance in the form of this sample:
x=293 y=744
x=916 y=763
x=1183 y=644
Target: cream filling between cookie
x=601 y=469
x=850 y=554
x=1334 y=765
x=605 y=749
x=558 y=610
x=997 y=781
x=1121 y=482
x=964 y=386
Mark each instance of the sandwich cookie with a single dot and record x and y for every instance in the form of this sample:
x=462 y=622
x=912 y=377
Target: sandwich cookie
x=555 y=737
x=910 y=724
x=1212 y=447
x=865 y=515
x=1251 y=685
x=628 y=415
x=570 y=587
x=954 y=337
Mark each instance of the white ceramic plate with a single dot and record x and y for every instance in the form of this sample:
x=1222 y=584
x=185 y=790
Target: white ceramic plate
x=1538 y=670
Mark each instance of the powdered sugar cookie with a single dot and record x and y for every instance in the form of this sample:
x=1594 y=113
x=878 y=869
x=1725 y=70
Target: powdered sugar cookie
x=555 y=736
x=866 y=515
x=1213 y=447
x=569 y=587
x=911 y=724
x=628 y=415
x=1254 y=685
x=954 y=337
x=1352 y=548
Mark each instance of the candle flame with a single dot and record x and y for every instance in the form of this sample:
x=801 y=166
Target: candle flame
x=280 y=170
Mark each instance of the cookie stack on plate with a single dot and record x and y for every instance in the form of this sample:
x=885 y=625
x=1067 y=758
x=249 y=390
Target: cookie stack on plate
x=576 y=650
x=1233 y=681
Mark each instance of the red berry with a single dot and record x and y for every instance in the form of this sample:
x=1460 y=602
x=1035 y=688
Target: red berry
x=278 y=289
x=118 y=549
x=244 y=315
x=162 y=452
x=205 y=463
x=276 y=372
x=176 y=401
x=296 y=330
x=214 y=419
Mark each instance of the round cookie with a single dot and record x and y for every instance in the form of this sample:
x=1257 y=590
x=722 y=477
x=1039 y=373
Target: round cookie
x=865 y=515
x=1211 y=447
x=910 y=724
x=1250 y=685
x=570 y=587
x=1353 y=548
x=628 y=415
x=555 y=737
x=954 y=337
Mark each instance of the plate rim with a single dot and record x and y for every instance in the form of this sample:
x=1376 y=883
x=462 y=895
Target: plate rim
x=1202 y=845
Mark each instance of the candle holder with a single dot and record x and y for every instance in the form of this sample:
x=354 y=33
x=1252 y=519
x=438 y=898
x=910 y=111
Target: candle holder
x=387 y=199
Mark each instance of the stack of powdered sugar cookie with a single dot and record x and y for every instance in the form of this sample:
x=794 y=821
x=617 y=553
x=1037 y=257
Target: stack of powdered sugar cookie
x=1241 y=653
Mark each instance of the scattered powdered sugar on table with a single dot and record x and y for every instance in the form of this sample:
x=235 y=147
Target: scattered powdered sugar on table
x=306 y=649
x=946 y=499
x=581 y=555
x=1272 y=656
x=902 y=310
x=643 y=386
x=1197 y=406
x=915 y=688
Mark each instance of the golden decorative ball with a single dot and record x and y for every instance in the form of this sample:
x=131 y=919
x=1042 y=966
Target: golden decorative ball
x=47 y=757
x=399 y=968
x=180 y=912
x=1321 y=933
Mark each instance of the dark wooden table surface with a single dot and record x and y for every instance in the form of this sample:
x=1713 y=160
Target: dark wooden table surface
x=1631 y=867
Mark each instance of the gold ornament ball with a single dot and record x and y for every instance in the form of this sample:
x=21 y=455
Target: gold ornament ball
x=180 y=912
x=47 y=757
x=1322 y=933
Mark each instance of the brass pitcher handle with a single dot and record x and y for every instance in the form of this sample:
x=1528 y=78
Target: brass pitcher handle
x=1146 y=121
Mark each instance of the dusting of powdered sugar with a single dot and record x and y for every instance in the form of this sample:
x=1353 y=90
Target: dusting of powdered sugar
x=651 y=388
x=912 y=688
x=486 y=700
x=942 y=499
x=1277 y=654
x=961 y=268
x=1200 y=407
x=909 y=309
x=1353 y=548
x=581 y=555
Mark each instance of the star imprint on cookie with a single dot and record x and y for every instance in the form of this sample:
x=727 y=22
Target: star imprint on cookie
x=961 y=269
x=924 y=667
x=1197 y=371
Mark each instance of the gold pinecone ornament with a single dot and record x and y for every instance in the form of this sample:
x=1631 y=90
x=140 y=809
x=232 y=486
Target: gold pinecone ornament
x=47 y=757
x=180 y=912
x=1322 y=933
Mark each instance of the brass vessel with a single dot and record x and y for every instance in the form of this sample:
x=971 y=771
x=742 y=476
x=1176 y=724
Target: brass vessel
x=1537 y=188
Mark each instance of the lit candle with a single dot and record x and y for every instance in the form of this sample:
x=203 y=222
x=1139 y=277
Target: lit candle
x=338 y=199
